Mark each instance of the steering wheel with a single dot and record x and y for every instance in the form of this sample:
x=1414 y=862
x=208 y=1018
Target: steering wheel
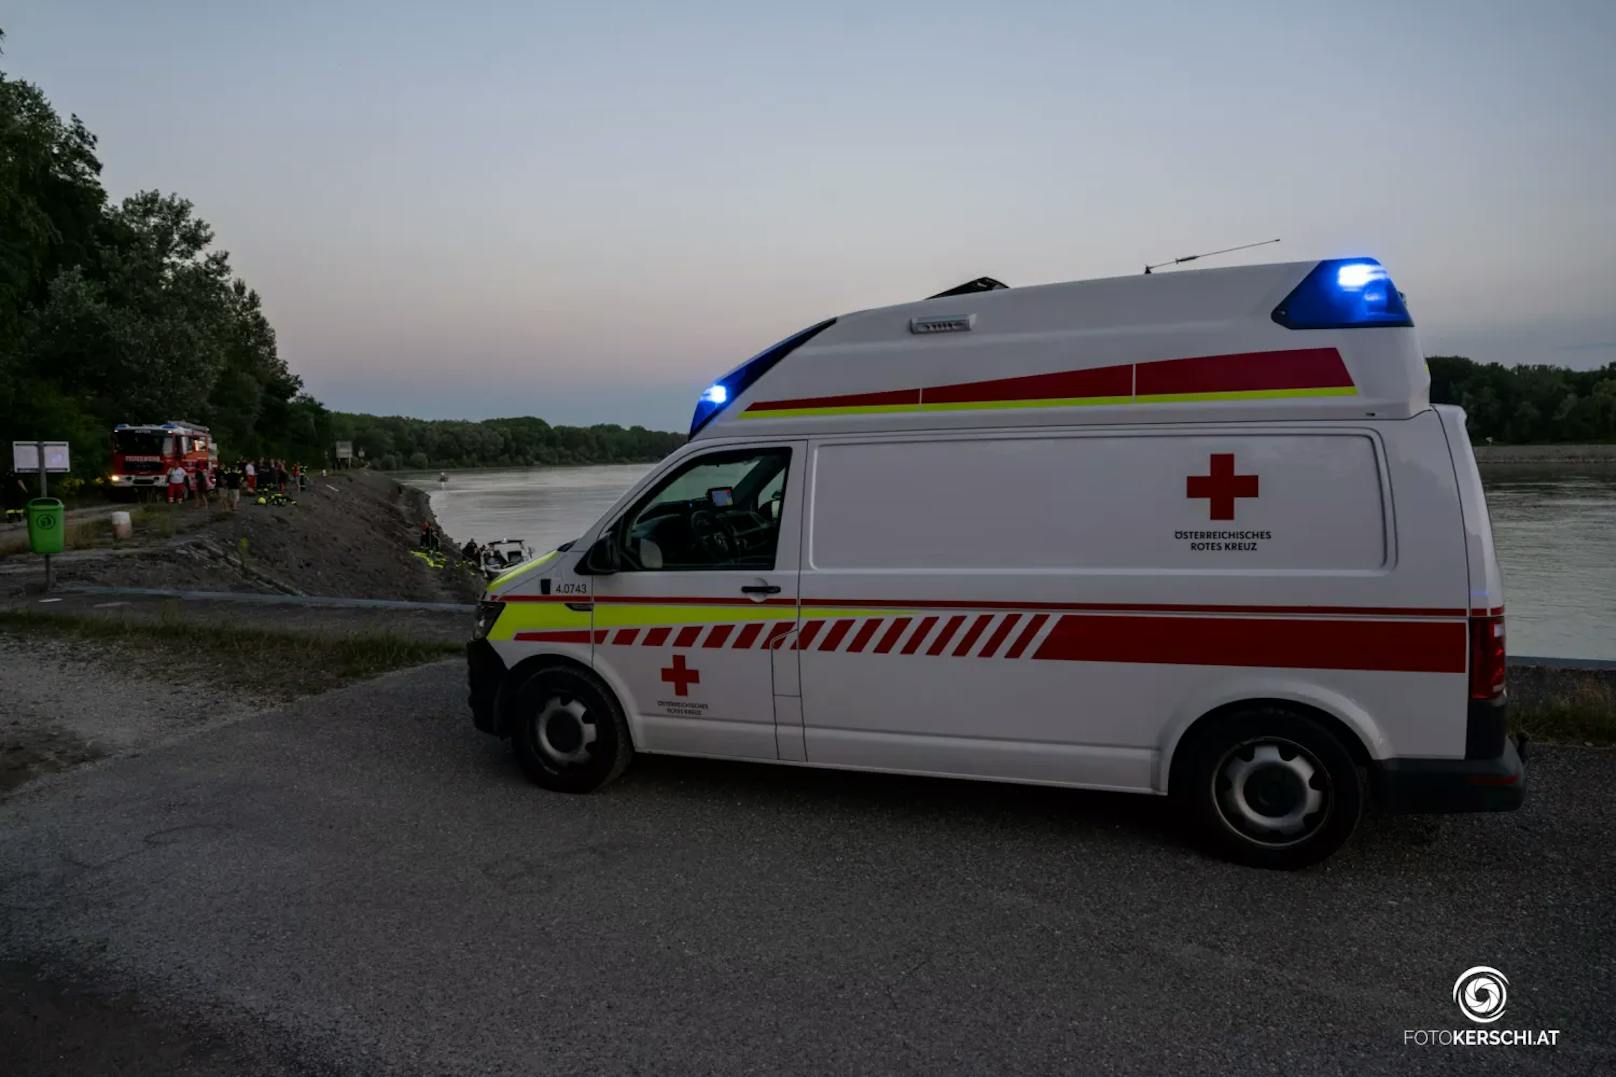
x=712 y=534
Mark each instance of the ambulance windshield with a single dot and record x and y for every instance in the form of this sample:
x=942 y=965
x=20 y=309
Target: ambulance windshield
x=719 y=511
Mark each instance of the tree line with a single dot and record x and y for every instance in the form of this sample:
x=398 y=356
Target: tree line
x=1527 y=403
x=126 y=312
x=398 y=442
x=123 y=311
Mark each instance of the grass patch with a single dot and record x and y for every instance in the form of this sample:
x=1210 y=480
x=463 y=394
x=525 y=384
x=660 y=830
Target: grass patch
x=1585 y=713
x=153 y=522
x=279 y=663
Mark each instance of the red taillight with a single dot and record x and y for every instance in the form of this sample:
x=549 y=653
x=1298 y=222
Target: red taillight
x=1486 y=657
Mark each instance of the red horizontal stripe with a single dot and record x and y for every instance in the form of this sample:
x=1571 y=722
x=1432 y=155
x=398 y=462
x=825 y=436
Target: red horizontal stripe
x=690 y=600
x=579 y=635
x=1290 y=644
x=892 y=398
x=1301 y=368
x=1140 y=607
x=1097 y=381
x=945 y=604
x=1294 y=368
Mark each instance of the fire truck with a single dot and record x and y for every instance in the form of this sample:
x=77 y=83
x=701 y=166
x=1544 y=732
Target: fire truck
x=143 y=455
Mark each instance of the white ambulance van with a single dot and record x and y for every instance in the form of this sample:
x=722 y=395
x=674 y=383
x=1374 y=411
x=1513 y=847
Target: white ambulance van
x=1198 y=534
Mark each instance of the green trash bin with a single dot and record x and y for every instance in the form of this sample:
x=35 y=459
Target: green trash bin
x=46 y=526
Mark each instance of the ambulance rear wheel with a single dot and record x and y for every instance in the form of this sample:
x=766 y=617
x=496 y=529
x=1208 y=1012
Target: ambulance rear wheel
x=568 y=731
x=1272 y=789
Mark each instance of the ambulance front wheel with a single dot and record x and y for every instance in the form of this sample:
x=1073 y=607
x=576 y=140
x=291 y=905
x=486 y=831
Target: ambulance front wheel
x=568 y=730
x=1272 y=788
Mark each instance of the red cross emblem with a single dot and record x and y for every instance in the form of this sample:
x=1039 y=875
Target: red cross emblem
x=1222 y=486
x=680 y=677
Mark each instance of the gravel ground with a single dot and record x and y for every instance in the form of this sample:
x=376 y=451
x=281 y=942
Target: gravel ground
x=360 y=883
x=51 y=720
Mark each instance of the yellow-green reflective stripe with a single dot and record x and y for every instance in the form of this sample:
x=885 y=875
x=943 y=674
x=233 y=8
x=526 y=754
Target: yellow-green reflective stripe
x=529 y=616
x=499 y=581
x=534 y=616
x=613 y=615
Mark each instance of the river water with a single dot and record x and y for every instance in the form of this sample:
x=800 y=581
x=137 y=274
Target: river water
x=1555 y=529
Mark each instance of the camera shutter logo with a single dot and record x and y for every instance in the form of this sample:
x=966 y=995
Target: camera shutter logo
x=1481 y=993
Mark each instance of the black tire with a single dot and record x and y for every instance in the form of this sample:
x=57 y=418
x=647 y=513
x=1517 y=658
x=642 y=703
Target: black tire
x=1270 y=788
x=569 y=731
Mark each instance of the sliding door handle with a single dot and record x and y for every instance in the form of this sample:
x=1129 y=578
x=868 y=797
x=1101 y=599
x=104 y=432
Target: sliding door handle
x=760 y=589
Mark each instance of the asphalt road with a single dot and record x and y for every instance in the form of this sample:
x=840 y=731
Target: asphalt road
x=360 y=883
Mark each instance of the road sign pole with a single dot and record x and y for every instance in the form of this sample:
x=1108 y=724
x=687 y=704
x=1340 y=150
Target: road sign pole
x=44 y=488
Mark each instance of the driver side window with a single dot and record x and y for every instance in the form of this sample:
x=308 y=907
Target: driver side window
x=720 y=511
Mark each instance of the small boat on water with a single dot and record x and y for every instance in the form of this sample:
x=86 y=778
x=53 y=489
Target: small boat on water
x=501 y=555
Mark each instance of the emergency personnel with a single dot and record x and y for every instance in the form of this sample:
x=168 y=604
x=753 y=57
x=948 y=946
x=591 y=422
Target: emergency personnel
x=176 y=484
x=200 y=480
x=251 y=475
x=232 y=486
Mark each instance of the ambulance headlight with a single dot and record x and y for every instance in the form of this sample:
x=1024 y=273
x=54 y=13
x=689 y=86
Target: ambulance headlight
x=488 y=612
x=1344 y=293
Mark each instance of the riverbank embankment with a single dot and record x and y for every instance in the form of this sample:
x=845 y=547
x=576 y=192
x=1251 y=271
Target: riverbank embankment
x=352 y=534
x=1597 y=455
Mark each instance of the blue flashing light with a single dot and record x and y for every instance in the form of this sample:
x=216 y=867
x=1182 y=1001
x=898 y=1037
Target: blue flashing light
x=717 y=396
x=1344 y=293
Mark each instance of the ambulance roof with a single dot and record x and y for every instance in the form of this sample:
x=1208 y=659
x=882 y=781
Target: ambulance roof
x=1294 y=340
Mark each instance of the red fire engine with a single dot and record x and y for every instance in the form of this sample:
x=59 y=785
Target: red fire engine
x=143 y=455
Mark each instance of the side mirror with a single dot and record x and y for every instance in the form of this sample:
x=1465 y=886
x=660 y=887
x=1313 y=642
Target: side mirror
x=602 y=557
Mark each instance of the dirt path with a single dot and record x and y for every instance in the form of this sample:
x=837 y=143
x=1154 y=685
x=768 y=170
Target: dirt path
x=351 y=535
x=55 y=718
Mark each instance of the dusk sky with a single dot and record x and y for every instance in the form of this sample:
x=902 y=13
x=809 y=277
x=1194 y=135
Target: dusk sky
x=586 y=212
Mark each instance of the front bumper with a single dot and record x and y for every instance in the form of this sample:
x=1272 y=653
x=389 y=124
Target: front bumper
x=1454 y=785
x=485 y=672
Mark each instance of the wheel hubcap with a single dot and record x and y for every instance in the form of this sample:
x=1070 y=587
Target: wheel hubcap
x=564 y=731
x=1272 y=791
